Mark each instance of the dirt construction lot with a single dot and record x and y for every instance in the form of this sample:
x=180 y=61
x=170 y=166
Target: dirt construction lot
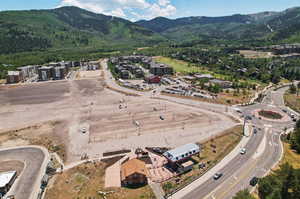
x=111 y=121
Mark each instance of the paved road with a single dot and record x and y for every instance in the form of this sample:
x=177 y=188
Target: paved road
x=264 y=149
x=35 y=160
x=263 y=152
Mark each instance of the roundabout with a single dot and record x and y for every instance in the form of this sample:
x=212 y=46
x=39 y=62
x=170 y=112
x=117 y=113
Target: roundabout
x=271 y=115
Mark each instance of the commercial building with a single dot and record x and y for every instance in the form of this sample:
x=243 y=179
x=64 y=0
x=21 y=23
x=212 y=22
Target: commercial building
x=182 y=153
x=134 y=173
x=29 y=71
x=152 y=79
x=160 y=69
x=203 y=76
x=46 y=73
x=7 y=179
x=221 y=83
x=14 y=77
x=59 y=72
x=125 y=74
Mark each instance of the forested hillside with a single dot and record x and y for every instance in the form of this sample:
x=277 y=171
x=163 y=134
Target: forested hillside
x=266 y=27
x=68 y=27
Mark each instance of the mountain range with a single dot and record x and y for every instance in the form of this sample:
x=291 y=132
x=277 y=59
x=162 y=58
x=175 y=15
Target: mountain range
x=275 y=26
x=72 y=27
x=68 y=27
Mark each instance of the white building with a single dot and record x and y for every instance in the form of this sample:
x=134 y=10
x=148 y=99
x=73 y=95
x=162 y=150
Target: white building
x=7 y=179
x=182 y=153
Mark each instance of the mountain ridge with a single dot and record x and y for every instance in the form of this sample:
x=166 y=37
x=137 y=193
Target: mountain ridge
x=68 y=27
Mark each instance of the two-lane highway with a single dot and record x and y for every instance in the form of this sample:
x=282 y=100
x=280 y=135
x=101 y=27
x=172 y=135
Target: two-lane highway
x=209 y=186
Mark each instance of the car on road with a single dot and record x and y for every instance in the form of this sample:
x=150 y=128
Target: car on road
x=255 y=131
x=243 y=151
x=254 y=181
x=218 y=176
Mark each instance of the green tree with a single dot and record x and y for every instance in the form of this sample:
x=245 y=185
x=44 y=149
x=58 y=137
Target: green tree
x=298 y=87
x=245 y=194
x=293 y=89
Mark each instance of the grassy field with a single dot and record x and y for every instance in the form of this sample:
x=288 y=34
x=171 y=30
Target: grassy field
x=84 y=182
x=180 y=66
x=213 y=151
x=292 y=101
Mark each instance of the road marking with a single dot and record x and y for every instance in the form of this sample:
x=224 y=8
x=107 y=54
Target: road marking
x=270 y=143
x=253 y=165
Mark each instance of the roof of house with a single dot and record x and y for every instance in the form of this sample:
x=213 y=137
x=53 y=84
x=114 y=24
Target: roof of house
x=187 y=164
x=6 y=177
x=13 y=73
x=208 y=76
x=177 y=153
x=219 y=81
x=133 y=166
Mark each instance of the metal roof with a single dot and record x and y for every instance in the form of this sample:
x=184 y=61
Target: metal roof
x=6 y=177
x=13 y=73
x=182 y=152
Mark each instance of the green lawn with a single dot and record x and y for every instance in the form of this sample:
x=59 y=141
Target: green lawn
x=181 y=66
x=292 y=101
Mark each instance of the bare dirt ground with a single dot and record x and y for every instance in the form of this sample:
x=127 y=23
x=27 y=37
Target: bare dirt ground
x=6 y=166
x=256 y=54
x=112 y=120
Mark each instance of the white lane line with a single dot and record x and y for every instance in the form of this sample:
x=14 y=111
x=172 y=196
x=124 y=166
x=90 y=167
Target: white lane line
x=261 y=148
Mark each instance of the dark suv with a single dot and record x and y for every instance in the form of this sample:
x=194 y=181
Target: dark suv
x=254 y=181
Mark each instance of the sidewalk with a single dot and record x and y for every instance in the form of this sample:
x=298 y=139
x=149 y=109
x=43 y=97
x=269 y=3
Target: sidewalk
x=180 y=194
x=157 y=190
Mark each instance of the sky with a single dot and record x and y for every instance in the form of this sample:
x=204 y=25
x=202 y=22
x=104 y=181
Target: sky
x=148 y=9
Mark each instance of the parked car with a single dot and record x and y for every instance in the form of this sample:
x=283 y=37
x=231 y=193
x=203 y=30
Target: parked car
x=83 y=130
x=243 y=151
x=254 y=181
x=255 y=131
x=218 y=176
x=248 y=117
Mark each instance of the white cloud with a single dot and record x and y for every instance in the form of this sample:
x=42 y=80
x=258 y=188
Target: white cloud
x=163 y=2
x=130 y=9
x=118 y=12
x=165 y=11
